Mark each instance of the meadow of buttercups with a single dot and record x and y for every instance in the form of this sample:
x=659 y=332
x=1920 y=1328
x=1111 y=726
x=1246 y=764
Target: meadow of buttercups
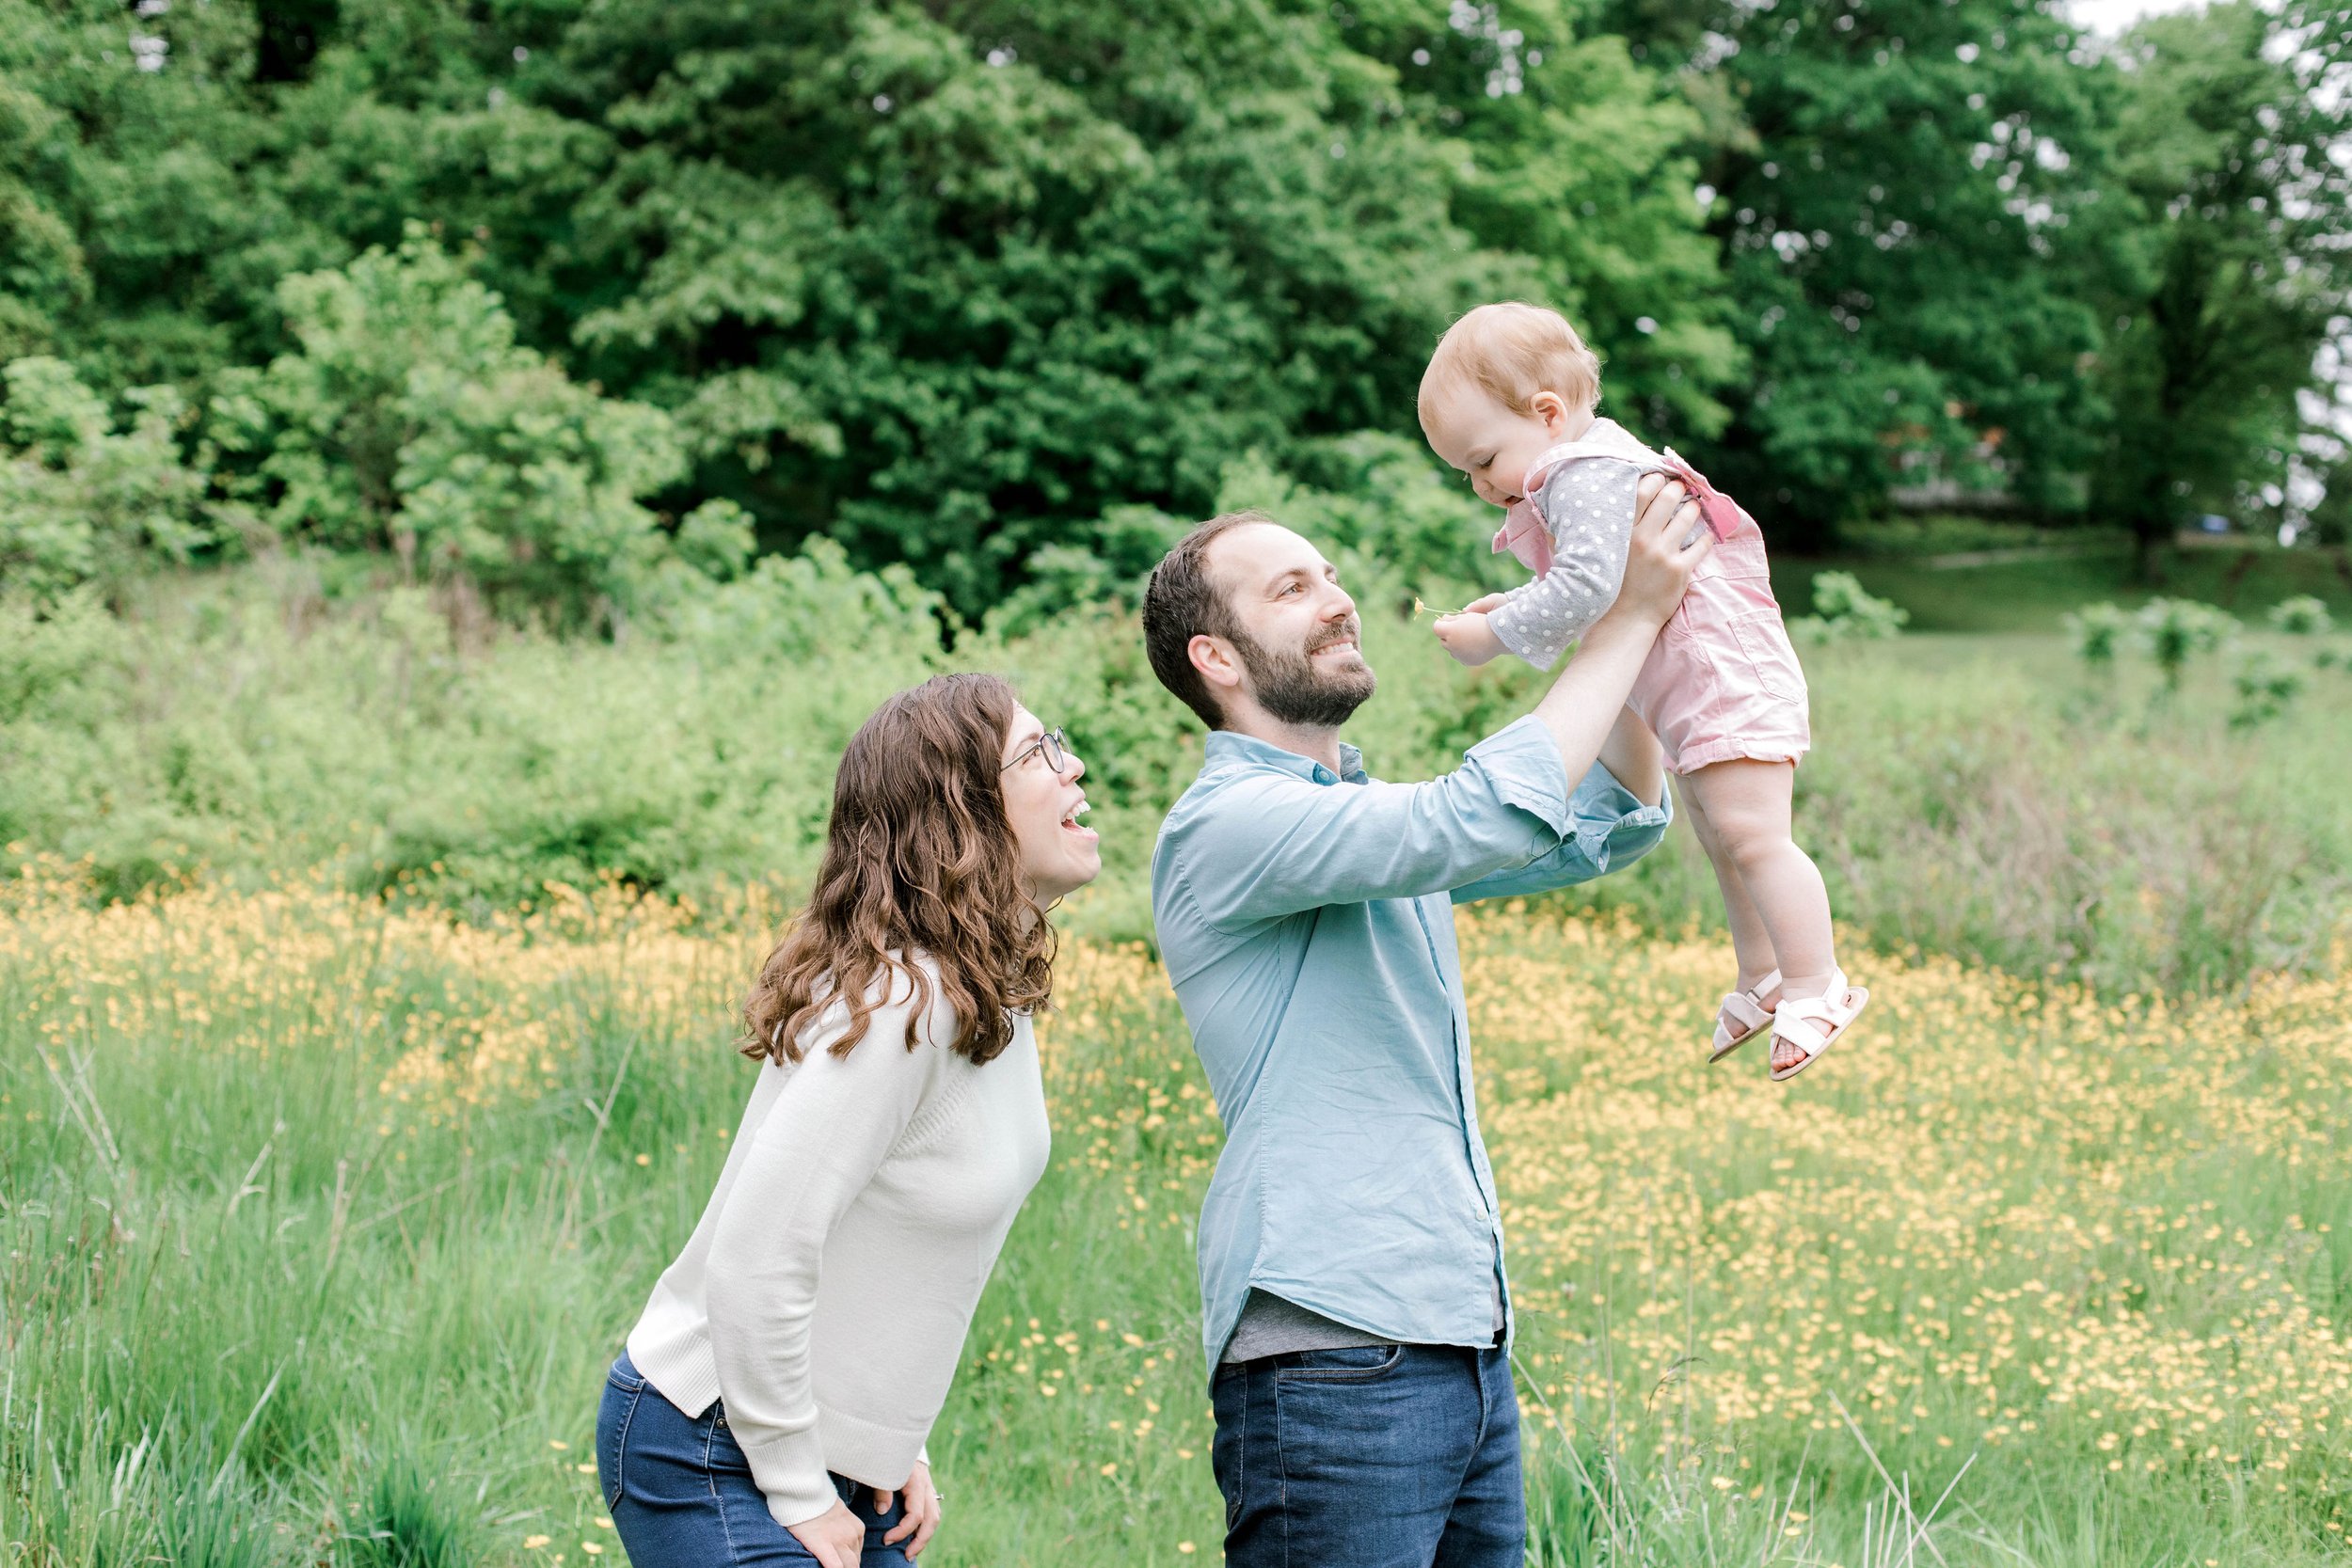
x=322 y=1217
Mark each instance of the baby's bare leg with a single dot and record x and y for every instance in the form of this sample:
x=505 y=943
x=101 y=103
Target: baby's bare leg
x=1751 y=941
x=1746 y=807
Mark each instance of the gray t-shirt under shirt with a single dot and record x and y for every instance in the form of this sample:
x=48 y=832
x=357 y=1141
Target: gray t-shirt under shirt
x=1272 y=1327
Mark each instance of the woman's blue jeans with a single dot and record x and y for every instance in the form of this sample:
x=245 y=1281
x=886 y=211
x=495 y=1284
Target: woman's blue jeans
x=1380 y=1456
x=681 y=1492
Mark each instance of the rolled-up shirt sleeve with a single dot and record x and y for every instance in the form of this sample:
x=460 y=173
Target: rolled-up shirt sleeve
x=1276 y=844
x=1611 y=829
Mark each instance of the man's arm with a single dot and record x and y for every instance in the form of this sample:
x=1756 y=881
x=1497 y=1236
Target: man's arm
x=1270 y=845
x=1667 y=545
x=1613 y=830
x=1634 y=759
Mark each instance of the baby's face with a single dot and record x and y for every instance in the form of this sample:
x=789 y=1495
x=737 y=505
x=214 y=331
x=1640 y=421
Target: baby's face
x=1495 y=445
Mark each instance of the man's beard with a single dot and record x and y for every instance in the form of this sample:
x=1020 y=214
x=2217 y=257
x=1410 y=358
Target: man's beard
x=1289 y=687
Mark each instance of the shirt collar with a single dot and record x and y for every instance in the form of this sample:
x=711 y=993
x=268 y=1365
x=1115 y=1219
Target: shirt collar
x=1233 y=746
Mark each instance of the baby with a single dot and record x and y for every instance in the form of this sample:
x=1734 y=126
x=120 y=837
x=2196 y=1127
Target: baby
x=1509 y=398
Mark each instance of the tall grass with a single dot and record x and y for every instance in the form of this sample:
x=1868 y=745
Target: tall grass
x=321 y=1218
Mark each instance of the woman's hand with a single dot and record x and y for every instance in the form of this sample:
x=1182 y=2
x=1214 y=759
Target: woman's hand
x=836 y=1538
x=922 y=1517
x=1668 y=542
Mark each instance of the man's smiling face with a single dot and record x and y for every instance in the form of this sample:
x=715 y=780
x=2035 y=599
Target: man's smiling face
x=1299 y=641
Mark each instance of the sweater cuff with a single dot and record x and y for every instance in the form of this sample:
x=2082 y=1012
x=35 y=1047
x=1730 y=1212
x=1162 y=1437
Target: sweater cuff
x=790 y=1471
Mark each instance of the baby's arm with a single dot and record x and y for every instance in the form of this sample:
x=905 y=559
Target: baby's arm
x=1589 y=506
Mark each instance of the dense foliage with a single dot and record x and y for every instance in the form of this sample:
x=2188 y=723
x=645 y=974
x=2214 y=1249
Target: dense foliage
x=999 y=288
x=2240 y=170
x=2136 y=822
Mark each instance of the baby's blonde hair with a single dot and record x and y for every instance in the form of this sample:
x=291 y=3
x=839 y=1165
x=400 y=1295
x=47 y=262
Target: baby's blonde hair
x=1512 y=351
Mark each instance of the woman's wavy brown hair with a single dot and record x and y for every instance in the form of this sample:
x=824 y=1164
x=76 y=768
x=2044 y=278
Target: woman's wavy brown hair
x=919 y=858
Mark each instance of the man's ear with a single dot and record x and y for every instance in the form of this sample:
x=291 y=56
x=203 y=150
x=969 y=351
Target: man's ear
x=1215 y=659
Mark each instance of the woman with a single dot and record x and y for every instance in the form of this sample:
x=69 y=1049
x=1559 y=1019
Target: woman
x=773 y=1403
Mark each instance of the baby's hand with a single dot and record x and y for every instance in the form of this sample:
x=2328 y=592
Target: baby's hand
x=1468 y=638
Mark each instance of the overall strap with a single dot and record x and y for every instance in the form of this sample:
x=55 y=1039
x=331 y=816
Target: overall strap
x=1722 y=513
x=1568 y=451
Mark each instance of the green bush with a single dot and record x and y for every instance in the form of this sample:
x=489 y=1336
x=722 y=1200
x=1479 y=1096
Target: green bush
x=82 y=502
x=1845 y=612
x=2265 y=684
x=411 y=420
x=2176 y=631
x=1963 y=797
x=2099 y=632
x=2301 y=616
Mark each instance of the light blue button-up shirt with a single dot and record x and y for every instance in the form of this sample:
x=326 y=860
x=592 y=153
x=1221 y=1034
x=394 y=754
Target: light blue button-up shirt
x=1306 y=919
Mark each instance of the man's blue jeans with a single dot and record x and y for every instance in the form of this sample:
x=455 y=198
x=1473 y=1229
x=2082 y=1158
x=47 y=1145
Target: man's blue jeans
x=1383 y=1456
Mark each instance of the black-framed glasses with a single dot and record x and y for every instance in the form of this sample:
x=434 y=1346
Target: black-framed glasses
x=1053 y=743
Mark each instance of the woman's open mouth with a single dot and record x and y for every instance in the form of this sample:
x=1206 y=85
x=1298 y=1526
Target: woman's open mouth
x=1072 y=824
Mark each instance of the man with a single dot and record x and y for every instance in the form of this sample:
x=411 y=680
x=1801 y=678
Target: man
x=1355 y=1309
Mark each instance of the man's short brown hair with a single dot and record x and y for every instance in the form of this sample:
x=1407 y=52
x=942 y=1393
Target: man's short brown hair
x=1183 y=602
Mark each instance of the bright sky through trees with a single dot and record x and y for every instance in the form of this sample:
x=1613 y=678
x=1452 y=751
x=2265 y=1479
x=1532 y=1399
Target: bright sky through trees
x=2112 y=16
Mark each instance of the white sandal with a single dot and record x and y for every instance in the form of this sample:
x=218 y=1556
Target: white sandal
x=1813 y=1023
x=1743 y=1013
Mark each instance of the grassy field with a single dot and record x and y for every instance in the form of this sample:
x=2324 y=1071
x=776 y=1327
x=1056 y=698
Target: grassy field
x=2027 y=583
x=322 y=1219
x=344 y=1136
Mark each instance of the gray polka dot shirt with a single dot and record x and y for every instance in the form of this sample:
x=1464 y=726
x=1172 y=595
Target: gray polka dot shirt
x=1587 y=507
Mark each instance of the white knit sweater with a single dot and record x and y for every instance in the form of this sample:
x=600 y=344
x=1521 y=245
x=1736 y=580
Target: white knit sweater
x=826 y=1293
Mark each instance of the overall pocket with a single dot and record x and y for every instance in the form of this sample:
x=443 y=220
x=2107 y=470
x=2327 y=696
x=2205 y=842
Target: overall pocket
x=1770 y=657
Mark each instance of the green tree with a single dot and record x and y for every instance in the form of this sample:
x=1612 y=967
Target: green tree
x=80 y=501
x=136 y=239
x=1908 y=196
x=410 y=419
x=2240 y=158
x=951 y=284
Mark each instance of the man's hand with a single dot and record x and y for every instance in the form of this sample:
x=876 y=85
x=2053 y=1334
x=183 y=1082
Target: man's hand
x=1467 y=635
x=1585 y=704
x=922 y=1518
x=836 y=1538
x=1669 y=540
